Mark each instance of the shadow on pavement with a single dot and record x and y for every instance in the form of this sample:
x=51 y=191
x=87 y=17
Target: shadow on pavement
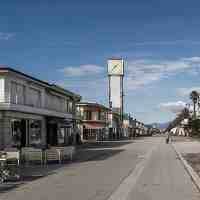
x=105 y=144
x=95 y=155
x=5 y=187
x=85 y=153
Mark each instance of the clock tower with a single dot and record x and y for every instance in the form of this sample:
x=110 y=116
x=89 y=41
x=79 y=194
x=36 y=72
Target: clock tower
x=115 y=78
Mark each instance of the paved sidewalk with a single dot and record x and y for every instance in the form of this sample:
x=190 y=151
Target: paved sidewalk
x=95 y=151
x=106 y=166
x=94 y=179
x=188 y=146
x=164 y=177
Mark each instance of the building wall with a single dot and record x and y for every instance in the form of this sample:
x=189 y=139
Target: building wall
x=5 y=125
x=92 y=113
x=18 y=90
x=94 y=121
x=24 y=98
x=2 y=89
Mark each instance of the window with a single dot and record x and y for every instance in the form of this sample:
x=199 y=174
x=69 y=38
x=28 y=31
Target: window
x=70 y=108
x=35 y=97
x=17 y=93
x=16 y=132
x=66 y=105
x=61 y=135
x=95 y=115
x=103 y=115
x=13 y=92
x=99 y=115
x=34 y=132
x=87 y=115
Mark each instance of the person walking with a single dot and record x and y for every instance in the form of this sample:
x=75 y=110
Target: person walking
x=168 y=138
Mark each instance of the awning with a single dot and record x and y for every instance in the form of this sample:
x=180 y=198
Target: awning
x=94 y=126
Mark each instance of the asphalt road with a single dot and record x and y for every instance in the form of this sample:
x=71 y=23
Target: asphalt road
x=143 y=169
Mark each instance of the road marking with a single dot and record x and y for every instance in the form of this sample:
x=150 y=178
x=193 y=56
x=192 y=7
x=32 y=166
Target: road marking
x=122 y=192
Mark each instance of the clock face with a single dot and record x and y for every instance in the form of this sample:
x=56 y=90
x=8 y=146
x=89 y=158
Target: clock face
x=115 y=67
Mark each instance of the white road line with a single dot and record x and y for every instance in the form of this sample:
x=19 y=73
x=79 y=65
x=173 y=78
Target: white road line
x=128 y=183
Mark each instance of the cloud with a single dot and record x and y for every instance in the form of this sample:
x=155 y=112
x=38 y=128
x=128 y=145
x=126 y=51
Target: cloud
x=82 y=70
x=186 y=91
x=6 y=36
x=89 y=89
x=142 y=72
x=172 y=42
x=174 y=107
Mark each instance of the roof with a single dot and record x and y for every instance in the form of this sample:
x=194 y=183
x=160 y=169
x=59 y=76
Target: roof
x=94 y=104
x=65 y=91
x=52 y=86
x=115 y=58
x=7 y=69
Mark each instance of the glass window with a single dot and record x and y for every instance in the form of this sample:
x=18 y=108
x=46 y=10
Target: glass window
x=99 y=115
x=35 y=97
x=66 y=105
x=35 y=132
x=17 y=93
x=61 y=135
x=16 y=132
x=103 y=115
x=70 y=108
x=87 y=115
x=13 y=98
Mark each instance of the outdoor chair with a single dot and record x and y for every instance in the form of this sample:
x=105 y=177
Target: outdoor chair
x=30 y=154
x=12 y=154
x=65 y=152
x=52 y=154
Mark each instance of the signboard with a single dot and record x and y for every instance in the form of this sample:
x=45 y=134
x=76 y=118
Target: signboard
x=116 y=67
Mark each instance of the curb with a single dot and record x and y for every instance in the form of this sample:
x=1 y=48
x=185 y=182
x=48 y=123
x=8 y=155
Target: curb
x=194 y=176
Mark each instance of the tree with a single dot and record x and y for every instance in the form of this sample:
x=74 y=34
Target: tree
x=194 y=125
x=194 y=96
x=184 y=114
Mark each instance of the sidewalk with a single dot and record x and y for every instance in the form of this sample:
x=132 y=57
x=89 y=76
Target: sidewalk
x=164 y=177
x=189 y=148
x=87 y=152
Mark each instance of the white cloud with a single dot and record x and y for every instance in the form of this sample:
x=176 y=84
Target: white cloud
x=146 y=71
x=174 y=107
x=6 y=36
x=82 y=70
x=186 y=91
x=167 y=42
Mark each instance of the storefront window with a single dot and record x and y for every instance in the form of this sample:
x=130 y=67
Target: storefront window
x=61 y=135
x=70 y=107
x=16 y=132
x=34 y=132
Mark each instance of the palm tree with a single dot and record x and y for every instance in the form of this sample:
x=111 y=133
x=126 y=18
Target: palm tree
x=194 y=96
x=184 y=114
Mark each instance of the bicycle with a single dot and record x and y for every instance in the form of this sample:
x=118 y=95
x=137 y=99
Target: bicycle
x=9 y=170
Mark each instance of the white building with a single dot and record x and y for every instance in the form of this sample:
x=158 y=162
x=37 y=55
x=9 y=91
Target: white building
x=34 y=112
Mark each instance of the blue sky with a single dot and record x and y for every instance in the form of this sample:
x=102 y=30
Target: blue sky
x=68 y=43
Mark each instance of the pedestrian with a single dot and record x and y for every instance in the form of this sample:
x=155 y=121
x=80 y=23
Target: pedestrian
x=167 y=138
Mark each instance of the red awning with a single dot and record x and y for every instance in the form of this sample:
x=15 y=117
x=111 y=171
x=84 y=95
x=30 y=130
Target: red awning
x=94 y=126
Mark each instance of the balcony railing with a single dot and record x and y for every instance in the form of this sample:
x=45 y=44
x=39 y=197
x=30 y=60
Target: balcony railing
x=35 y=106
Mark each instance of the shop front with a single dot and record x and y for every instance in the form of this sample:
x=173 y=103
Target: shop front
x=28 y=130
x=94 y=131
x=59 y=132
x=22 y=130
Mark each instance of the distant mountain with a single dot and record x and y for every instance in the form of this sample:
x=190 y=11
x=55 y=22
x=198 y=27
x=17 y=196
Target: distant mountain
x=159 y=125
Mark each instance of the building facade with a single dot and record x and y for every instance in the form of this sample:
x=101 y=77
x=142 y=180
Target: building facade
x=34 y=112
x=94 y=118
